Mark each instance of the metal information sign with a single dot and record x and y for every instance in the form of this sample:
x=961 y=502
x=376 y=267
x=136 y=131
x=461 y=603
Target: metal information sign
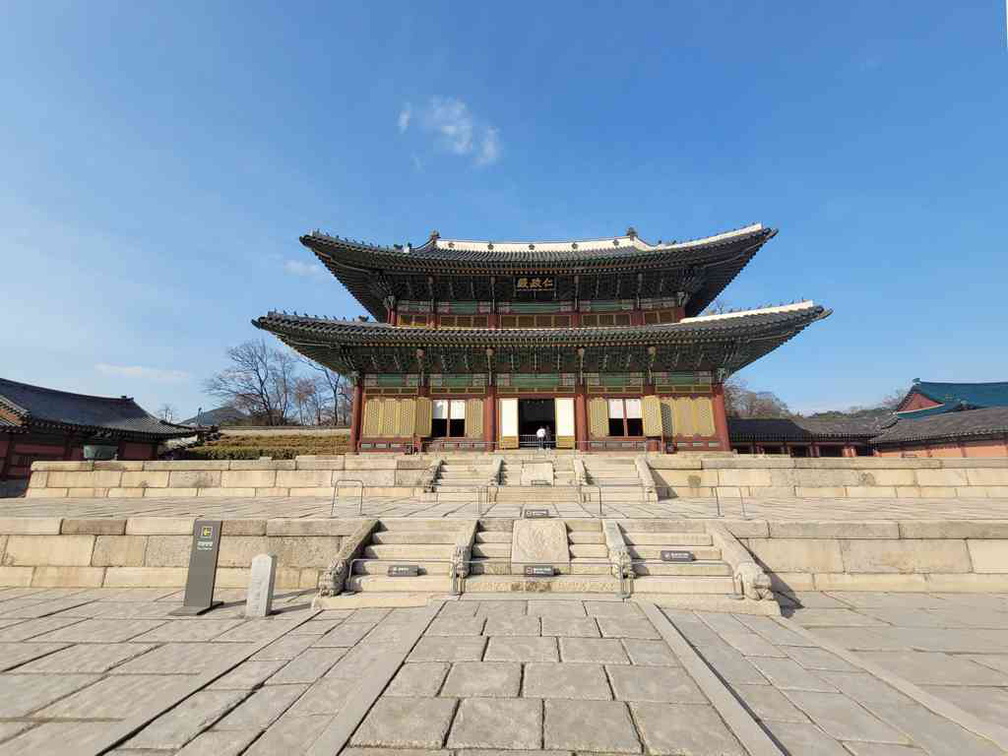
x=531 y=514
x=539 y=570
x=202 y=573
x=677 y=556
x=403 y=570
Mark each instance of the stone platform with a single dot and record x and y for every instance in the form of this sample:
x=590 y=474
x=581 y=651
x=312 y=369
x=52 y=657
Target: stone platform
x=109 y=671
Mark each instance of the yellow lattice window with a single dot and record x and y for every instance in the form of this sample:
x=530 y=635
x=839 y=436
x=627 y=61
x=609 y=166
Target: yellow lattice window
x=407 y=417
x=389 y=417
x=652 y=415
x=474 y=418
x=423 y=417
x=372 y=419
x=668 y=416
x=703 y=412
x=598 y=417
x=684 y=421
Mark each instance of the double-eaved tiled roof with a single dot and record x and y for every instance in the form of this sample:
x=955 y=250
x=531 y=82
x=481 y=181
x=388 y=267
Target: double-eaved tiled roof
x=974 y=423
x=368 y=270
x=727 y=341
x=357 y=332
x=45 y=408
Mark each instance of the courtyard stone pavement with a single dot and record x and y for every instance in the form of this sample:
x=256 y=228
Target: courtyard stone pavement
x=313 y=507
x=111 y=671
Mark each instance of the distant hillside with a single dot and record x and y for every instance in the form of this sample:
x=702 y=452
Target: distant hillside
x=220 y=416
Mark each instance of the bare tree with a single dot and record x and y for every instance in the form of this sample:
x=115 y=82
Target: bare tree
x=338 y=388
x=167 y=412
x=740 y=401
x=307 y=400
x=259 y=381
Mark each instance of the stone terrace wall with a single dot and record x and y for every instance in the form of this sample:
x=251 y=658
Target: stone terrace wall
x=399 y=476
x=922 y=555
x=912 y=555
x=154 y=551
x=787 y=477
x=303 y=476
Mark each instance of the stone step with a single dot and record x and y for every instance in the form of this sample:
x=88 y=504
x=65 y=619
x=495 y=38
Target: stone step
x=717 y=569
x=492 y=550
x=654 y=552
x=663 y=526
x=556 y=584
x=489 y=567
x=582 y=525
x=380 y=567
x=408 y=552
x=585 y=536
x=415 y=537
x=592 y=550
x=589 y=567
x=678 y=584
x=385 y=584
x=409 y=523
x=658 y=539
x=493 y=536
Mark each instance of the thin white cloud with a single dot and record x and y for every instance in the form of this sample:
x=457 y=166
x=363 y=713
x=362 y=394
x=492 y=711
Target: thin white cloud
x=459 y=132
x=490 y=148
x=146 y=373
x=299 y=268
x=405 y=116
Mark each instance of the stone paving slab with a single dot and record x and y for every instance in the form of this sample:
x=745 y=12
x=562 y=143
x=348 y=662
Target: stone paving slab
x=266 y=507
x=391 y=683
x=815 y=700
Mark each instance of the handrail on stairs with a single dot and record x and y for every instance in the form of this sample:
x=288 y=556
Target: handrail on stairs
x=360 y=501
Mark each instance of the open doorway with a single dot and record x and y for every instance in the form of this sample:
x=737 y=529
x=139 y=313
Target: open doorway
x=534 y=414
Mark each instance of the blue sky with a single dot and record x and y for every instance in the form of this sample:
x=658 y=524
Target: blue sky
x=158 y=163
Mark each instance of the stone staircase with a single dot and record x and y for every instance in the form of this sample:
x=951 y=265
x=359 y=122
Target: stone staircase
x=617 y=477
x=646 y=539
x=429 y=544
x=588 y=556
x=491 y=550
x=457 y=480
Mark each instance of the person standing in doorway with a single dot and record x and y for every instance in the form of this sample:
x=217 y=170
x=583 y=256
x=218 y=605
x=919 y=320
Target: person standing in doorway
x=541 y=436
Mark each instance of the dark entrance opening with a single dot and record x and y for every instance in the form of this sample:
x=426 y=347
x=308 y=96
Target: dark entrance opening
x=534 y=414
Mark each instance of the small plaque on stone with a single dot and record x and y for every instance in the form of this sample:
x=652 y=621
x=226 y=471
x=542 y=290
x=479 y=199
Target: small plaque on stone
x=532 y=514
x=539 y=570
x=671 y=555
x=541 y=482
x=403 y=570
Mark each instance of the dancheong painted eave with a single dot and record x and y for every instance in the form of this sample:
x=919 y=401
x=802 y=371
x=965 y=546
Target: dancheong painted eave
x=374 y=273
x=727 y=341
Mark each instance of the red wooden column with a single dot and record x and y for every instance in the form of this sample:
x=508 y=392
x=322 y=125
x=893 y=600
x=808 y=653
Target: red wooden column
x=721 y=418
x=356 y=414
x=580 y=418
x=490 y=418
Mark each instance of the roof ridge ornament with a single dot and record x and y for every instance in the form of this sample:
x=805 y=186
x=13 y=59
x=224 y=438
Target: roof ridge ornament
x=631 y=232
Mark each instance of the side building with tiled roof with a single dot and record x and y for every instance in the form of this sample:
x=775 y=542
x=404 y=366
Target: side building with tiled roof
x=591 y=345
x=803 y=437
x=39 y=423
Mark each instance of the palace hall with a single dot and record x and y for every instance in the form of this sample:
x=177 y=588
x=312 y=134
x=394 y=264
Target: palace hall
x=483 y=345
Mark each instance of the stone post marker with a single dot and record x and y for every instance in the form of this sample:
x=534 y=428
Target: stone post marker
x=259 y=602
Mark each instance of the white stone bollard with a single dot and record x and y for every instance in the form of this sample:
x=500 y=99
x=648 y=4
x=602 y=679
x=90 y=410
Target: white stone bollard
x=259 y=602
